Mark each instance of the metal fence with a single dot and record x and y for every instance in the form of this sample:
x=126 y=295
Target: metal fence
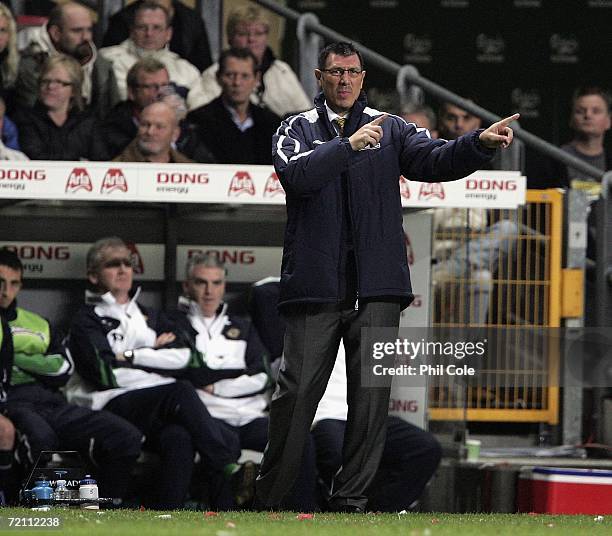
x=502 y=270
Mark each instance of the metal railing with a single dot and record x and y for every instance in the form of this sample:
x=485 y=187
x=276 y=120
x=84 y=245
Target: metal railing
x=408 y=75
x=310 y=24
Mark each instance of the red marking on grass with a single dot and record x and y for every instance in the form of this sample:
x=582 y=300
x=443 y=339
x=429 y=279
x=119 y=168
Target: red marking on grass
x=301 y=517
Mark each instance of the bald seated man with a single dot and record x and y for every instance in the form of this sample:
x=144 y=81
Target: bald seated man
x=157 y=133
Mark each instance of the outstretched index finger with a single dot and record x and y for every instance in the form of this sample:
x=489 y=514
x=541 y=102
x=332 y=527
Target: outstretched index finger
x=507 y=120
x=379 y=120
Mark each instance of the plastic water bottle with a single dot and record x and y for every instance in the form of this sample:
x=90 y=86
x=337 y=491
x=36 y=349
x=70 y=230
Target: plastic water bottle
x=61 y=491
x=42 y=492
x=88 y=489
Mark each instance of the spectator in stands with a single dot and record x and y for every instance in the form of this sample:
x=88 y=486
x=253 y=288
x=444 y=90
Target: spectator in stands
x=68 y=31
x=422 y=116
x=233 y=128
x=454 y=121
x=189 y=37
x=149 y=36
x=10 y=134
x=589 y=121
x=58 y=127
x=39 y=411
x=278 y=89
x=158 y=129
x=9 y=56
x=147 y=82
x=144 y=82
x=236 y=391
x=7 y=152
x=9 y=65
x=125 y=355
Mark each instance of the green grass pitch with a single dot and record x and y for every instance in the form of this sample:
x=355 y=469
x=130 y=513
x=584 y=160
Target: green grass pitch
x=186 y=523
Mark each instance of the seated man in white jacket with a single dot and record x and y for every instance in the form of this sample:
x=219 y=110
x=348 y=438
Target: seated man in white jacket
x=279 y=89
x=149 y=37
x=127 y=357
x=237 y=383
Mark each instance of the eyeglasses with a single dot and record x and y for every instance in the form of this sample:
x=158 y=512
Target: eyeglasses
x=337 y=72
x=116 y=263
x=48 y=82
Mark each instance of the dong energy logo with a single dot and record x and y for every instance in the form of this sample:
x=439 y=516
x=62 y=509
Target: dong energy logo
x=404 y=187
x=431 y=190
x=273 y=186
x=79 y=179
x=242 y=183
x=508 y=185
x=114 y=180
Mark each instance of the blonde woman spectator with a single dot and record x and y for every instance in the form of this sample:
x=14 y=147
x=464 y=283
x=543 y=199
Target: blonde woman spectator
x=279 y=89
x=58 y=128
x=9 y=65
x=9 y=57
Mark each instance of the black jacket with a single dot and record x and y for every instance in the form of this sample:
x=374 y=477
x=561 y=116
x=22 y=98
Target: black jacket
x=189 y=37
x=228 y=144
x=313 y=165
x=6 y=359
x=118 y=129
x=41 y=139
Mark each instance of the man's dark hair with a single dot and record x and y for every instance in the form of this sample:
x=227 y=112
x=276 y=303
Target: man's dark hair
x=340 y=49
x=239 y=53
x=9 y=258
x=593 y=90
x=149 y=5
x=56 y=16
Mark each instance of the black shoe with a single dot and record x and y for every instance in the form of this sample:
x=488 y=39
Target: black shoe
x=243 y=484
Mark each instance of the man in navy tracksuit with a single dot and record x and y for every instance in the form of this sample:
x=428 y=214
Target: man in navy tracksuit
x=37 y=367
x=344 y=261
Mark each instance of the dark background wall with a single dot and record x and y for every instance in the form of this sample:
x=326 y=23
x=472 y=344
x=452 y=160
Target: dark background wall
x=508 y=55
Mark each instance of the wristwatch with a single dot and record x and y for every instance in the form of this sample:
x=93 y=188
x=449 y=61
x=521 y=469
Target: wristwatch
x=129 y=355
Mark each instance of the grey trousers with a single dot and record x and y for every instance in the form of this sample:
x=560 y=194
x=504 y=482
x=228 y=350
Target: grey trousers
x=312 y=338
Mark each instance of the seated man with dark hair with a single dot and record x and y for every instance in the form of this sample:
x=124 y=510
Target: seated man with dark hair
x=42 y=416
x=127 y=357
x=234 y=129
